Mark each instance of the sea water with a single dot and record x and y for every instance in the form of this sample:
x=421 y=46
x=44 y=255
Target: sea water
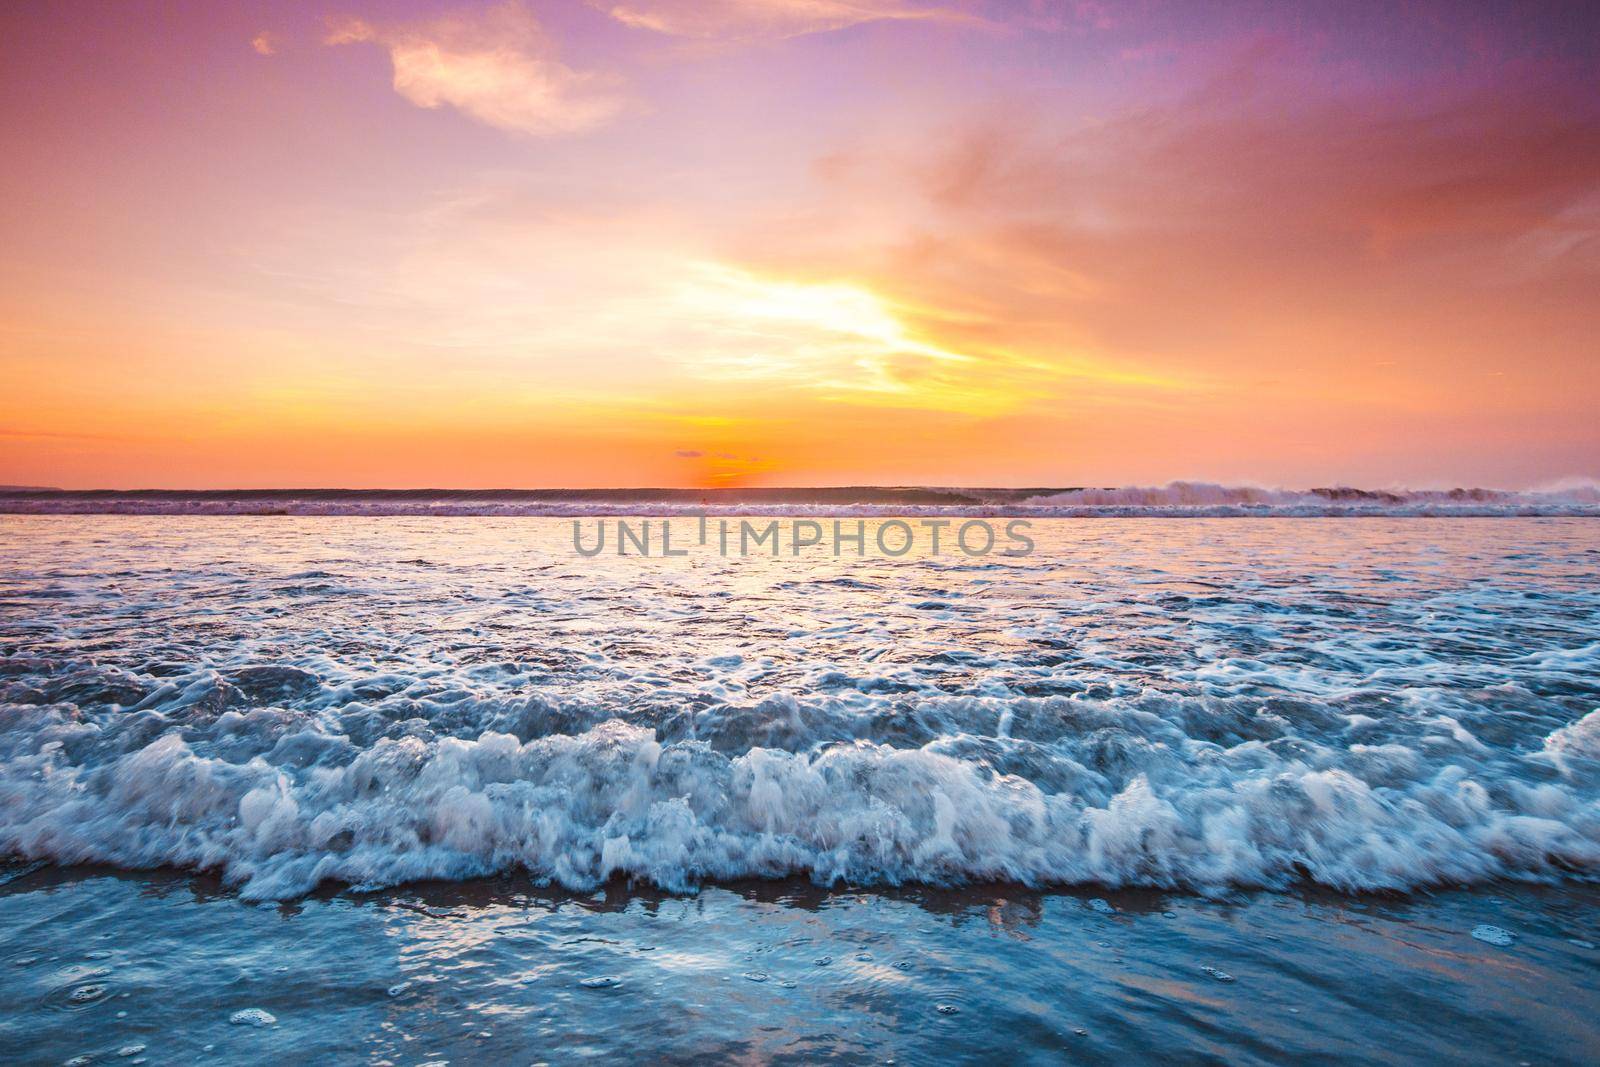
x=1156 y=769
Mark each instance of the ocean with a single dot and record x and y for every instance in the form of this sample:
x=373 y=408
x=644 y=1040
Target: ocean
x=414 y=783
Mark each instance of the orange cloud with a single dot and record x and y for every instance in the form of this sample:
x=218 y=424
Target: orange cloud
x=498 y=68
x=1233 y=231
x=1250 y=154
x=264 y=43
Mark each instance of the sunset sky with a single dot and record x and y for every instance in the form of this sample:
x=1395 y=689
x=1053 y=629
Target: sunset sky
x=798 y=242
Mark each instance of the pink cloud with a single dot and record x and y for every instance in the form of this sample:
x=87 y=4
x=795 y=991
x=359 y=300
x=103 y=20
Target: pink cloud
x=498 y=68
x=756 y=19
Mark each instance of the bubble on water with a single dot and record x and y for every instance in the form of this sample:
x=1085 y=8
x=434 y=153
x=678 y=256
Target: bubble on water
x=601 y=981
x=1221 y=976
x=252 y=1017
x=26 y=961
x=122 y=1015
x=1102 y=906
x=823 y=961
x=1169 y=915
x=1080 y=1031
x=864 y=957
x=98 y=954
x=85 y=993
x=755 y=976
x=1103 y=944
x=399 y=988
x=1294 y=1011
x=208 y=1048
x=79 y=1061
x=902 y=965
x=1493 y=935
x=946 y=1009
x=786 y=984
x=131 y=1050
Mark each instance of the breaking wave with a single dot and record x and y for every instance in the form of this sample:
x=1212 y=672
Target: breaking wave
x=316 y=705
x=279 y=803
x=1204 y=498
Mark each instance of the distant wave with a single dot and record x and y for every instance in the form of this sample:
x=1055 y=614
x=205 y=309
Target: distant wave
x=1205 y=498
x=1175 y=499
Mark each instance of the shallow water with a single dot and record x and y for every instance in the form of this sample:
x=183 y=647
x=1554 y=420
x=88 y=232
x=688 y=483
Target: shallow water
x=493 y=971
x=1197 y=708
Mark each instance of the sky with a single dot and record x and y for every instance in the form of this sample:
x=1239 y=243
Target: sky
x=798 y=242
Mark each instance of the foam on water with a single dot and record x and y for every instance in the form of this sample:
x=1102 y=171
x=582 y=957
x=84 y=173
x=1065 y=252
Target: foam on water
x=1493 y=935
x=1201 y=710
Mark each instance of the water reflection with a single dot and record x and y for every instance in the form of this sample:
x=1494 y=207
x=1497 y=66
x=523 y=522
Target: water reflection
x=763 y=972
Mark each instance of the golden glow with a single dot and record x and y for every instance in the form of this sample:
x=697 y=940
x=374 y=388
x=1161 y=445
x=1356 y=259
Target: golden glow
x=833 y=308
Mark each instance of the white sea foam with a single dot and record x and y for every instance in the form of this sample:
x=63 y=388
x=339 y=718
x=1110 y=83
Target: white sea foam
x=305 y=710
x=577 y=809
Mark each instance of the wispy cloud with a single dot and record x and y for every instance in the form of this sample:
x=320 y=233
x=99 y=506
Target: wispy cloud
x=498 y=67
x=758 y=19
x=1207 y=234
x=28 y=435
x=264 y=43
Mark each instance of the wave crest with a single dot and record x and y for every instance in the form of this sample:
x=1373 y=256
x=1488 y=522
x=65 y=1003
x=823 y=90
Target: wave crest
x=1117 y=795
